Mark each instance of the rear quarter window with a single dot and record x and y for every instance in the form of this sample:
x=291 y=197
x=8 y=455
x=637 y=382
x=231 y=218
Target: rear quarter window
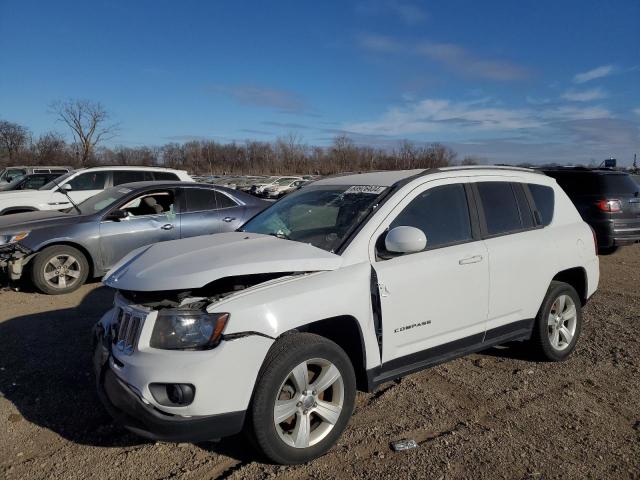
x=544 y=199
x=500 y=208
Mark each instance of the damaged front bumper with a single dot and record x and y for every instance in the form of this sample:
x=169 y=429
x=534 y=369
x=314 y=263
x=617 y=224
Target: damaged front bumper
x=13 y=258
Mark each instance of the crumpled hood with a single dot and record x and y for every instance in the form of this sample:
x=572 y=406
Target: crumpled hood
x=36 y=220
x=195 y=262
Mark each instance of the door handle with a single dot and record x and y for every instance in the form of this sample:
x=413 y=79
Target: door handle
x=228 y=219
x=168 y=226
x=468 y=260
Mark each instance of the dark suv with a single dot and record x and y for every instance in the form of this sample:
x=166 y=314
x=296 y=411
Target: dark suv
x=608 y=200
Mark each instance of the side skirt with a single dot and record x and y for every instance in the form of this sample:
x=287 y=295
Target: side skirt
x=431 y=357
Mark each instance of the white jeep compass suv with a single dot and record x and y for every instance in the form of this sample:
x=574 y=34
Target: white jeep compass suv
x=348 y=283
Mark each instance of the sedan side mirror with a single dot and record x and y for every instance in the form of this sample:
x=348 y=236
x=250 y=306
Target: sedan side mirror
x=405 y=240
x=118 y=215
x=66 y=187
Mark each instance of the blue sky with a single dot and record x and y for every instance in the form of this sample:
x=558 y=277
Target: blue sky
x=511 y=81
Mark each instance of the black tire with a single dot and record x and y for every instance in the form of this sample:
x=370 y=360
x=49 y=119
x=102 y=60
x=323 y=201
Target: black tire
x=288 y=352
x=540 y=342
x=40 y=267
x=607 y=250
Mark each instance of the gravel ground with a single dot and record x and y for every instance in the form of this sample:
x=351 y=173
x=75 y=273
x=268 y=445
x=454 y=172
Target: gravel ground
x=490 y=415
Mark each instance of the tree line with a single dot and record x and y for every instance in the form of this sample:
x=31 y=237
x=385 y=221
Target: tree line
x=90 y=126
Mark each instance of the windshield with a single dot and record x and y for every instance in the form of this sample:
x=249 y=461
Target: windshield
x=102 y=200
x=323 y=216
x=57 y=181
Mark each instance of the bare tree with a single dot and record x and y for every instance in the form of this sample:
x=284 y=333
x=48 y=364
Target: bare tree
x=51 y=149
x=13 y=138
x=89 y=123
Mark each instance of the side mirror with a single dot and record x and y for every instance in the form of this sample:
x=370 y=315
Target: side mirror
x=405 y=240
x=118 y=215
x=66 y=187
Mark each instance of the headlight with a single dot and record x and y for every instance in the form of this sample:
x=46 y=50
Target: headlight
x=6 y=239
x=177 y=329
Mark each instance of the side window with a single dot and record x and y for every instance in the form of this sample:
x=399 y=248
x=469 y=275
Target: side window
x=500 y=207
x=129 y=176
x=14 y=173
x=35 y=182
x=156 y=203
x=200 y=199
x=89 y=181
x=526 y=215
x=544 y=199
x=222 y=201
x=442 y=213
x=165 y=176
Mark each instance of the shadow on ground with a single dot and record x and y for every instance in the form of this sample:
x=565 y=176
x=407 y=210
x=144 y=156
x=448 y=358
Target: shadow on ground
x=46 y=372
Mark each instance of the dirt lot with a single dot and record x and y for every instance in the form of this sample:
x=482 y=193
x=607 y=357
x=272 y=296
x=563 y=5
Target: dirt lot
x=492 y=415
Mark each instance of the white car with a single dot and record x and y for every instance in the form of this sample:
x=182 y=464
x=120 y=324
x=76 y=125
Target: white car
x=80 y=185
x=282 y=187
x=346 y=284
x=259 y=188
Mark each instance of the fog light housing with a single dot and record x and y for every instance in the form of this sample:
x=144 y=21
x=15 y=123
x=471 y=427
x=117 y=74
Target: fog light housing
x=173 y=394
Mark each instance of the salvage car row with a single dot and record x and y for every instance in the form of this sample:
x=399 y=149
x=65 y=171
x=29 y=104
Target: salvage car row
x=346 y=284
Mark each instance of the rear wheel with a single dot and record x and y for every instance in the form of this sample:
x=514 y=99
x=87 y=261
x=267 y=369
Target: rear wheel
x=303 y=400
x=558 y=323
x=59 y=269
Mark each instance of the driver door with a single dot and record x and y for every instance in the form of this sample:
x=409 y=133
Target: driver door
x=144 y=225
x=435 y=301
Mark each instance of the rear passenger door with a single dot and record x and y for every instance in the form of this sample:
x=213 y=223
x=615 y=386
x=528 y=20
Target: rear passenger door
x=517 y=246
x=207 y=211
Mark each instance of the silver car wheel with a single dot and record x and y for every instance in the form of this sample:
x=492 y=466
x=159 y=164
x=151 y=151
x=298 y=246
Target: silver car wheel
x=562 y=322
x=309 y=403
x=62 y=271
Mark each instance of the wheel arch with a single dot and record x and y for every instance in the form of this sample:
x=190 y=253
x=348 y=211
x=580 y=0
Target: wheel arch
x=577 y=278
x=78 y=246
x=345 y=331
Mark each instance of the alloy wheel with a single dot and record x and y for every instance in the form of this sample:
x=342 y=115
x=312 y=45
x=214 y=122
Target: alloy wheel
x=309 y=403
x=562 y=322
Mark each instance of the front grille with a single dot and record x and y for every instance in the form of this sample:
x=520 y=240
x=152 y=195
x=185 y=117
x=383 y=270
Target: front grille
x=126 y=330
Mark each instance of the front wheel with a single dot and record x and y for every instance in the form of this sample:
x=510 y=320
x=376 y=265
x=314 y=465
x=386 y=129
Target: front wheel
x=304 y=398
x=59 y=269
x=558 y=323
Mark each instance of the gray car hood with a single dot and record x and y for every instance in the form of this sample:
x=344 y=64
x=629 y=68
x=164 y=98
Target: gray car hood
x=36 y=220
x=195 y=262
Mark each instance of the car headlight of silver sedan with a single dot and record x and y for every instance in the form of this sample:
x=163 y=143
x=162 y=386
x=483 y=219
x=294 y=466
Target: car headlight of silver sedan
x=13 y=238
x=177 y=329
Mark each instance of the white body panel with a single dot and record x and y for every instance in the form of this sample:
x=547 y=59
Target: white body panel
x=54 y=200
x=506 y=285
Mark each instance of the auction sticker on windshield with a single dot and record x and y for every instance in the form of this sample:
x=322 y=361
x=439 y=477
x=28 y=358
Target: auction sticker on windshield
x=373 y=189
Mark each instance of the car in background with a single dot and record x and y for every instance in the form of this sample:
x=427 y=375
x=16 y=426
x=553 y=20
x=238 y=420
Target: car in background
x=32 y=181
x=63 y=249
x=259 y=188
x=282 y=187
x=608 y=200
x=78 y=185
x=8 y=174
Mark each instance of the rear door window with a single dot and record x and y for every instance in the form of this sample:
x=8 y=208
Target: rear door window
x=130 y=176
x=500 y=207
x=222 y=201
x=200 y=199
x=544 y=200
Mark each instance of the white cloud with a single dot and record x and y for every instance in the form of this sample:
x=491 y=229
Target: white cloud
x=463 y=61
x=636 y=111
x=598 y=72
x=445 y=117
x=378 y=43
x=584 y=95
